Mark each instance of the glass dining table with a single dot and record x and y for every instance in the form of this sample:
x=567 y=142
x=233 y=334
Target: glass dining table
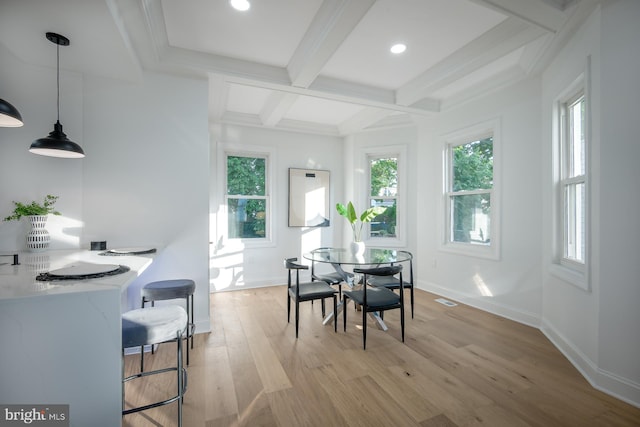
x=341 y=258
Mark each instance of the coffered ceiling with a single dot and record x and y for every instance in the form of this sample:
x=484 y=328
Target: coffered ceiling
x=320 y=66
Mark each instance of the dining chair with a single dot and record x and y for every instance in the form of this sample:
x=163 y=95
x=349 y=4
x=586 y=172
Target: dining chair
x=375 y=299
x=393 y=282
x=332 y=278
x=306 y=291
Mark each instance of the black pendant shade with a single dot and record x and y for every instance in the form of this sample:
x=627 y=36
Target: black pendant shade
x=57 y=144
x=9 y=115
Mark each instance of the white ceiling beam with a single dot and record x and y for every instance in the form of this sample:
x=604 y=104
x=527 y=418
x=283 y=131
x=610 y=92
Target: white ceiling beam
x=333 y=22
x=362 y=120
x=328 y=93
x=218 y=96
x=502 y=39
x=253 y=120
x=276 y=107
x=543 y=14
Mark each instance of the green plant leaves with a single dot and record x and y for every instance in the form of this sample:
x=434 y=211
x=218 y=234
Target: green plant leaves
x=34 y=208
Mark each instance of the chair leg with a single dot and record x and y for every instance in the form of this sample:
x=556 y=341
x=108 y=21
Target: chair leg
x=297 y=316
x=288 y=308
x=323 y=308
x=364 y=328
x=412 y=302
x=345 y=302
x=402 y=322
x=335 y=314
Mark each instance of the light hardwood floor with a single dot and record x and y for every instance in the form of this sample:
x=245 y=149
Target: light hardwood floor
x=459 y=366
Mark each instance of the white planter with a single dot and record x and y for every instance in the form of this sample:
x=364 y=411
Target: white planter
x=357 y=248
x=38 y=237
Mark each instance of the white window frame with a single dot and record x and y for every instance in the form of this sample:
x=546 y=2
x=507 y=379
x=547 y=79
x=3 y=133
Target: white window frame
x=563 y=267
x=469 y=134
x=399 y=152
x=227 y=149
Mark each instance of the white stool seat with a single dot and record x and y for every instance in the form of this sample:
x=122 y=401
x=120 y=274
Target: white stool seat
x=152 y=325
x=155 y=325
x=168 y=290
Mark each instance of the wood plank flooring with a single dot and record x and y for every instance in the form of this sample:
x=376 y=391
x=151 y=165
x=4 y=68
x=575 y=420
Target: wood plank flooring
x=459 y=366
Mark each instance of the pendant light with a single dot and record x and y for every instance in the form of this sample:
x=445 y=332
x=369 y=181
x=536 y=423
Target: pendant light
x=9 y=115
x=57 y=144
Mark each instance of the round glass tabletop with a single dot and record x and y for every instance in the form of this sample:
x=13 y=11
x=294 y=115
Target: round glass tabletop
x=346 y=257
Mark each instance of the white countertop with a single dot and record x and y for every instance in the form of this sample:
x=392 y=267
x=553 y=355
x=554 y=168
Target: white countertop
x=19 y=281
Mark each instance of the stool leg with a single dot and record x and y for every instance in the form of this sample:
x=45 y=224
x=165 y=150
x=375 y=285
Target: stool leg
x=153 y=347
x=179 y=371
x=123 y=383
x=193 y=323
x=188 y=327
x=142 y=347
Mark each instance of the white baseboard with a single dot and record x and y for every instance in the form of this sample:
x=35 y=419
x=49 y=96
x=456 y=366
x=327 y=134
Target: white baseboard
x=607 y=382
x=600 y=379
x=519 y=316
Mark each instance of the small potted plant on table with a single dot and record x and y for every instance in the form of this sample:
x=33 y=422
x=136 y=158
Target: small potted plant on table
x=38 y=237
x=349 y=212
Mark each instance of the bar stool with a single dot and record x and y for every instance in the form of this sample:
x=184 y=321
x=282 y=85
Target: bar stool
x=155 y=325
x=166 y=290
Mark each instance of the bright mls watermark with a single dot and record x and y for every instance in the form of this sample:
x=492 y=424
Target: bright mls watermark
x=34 y=415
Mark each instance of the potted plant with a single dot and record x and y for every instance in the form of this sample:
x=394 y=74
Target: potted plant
x=357 y=222
x=38 y=237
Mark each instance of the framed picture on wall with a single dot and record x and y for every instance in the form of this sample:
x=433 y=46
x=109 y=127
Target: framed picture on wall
x=308 y=198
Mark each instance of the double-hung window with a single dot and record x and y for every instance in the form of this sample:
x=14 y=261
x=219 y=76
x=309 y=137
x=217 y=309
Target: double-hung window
x=383 y=191
x=571 y=215
x=246 y=196
x=470 y=200
x=573 y=180
x=384 y=184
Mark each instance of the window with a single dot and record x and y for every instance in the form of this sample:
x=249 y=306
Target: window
x=470 y=202
x=470 y=190
x=383 y=184
x=571 y=205
x=573 y=180
x=247 y=199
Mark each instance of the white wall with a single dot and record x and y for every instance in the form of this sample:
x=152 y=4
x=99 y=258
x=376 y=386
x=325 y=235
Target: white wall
x=598 y=329
x=146 y=176
x=233 y=266
x=511 y=285
x=570 y=315
x=619 y=344
x=24 y=176
x=144 y=180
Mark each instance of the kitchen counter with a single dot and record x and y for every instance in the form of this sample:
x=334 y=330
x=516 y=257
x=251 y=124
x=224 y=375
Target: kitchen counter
x=60 y=341
x=19 y=281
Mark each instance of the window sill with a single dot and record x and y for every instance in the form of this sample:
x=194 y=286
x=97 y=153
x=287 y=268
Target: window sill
x=571 y=276
x=478 y=251
x=240 y=244
x=385 y=243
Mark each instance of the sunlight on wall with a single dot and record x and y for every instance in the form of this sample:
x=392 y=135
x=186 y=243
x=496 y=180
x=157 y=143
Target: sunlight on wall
x=310 y=239
x=64 y=231
x=315 y=206
x=227 y=270
x=482 y=287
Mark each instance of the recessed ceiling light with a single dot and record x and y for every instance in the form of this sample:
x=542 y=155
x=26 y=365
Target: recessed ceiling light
x=398 y=48
x=240 y=5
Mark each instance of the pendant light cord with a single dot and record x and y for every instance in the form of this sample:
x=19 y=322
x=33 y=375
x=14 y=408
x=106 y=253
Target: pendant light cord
x=58 y=83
